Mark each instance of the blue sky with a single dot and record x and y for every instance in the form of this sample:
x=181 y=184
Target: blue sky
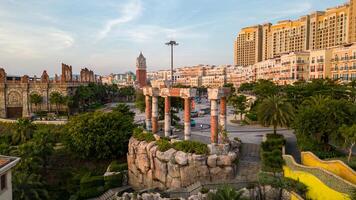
x=107 y=35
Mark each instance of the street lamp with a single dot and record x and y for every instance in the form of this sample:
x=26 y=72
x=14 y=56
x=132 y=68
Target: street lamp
x=172 y=43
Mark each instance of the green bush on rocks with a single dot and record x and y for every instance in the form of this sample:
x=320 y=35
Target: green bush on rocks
x=140 y=135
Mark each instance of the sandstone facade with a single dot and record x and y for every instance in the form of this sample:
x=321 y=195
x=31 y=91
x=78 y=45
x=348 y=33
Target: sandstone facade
x=150 y=168
x=15 y=91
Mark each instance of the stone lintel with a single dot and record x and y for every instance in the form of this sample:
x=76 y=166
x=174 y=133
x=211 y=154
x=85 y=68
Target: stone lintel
x=217 y=93
x=150 y=91
x=178 y=92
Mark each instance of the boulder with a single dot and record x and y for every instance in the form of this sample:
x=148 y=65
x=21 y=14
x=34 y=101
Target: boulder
x=173 y=170
x=194 y=159
x=150 y=145
x=167 y=155
x=187 y=175
x=212 y=160
x=143 y=163
x=160 y=170
x=175 y=183
x=181 y=158
x=141 y=148
x=224 y=160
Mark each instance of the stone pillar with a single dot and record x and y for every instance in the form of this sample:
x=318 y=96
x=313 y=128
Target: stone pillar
x=154 y=114
x=2 y=100
x=148 y=113
x=167 y=116
x=223 y=113
x=25 y=101
x=187 y=118
x=214 y=121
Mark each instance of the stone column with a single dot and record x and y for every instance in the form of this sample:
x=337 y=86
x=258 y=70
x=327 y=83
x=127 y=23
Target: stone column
x=154 y=114
x=148 y=113
x=2 y=101
x=167 y=116
x=214 y=121
x=25 y=101
x=223 y=113
x=186 y=118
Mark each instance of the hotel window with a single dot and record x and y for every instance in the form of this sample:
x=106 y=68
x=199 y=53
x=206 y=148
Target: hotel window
x=3 y=182
x=353 y=76
x=335 y=76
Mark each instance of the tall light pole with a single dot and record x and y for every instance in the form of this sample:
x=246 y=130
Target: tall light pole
x=172 y=43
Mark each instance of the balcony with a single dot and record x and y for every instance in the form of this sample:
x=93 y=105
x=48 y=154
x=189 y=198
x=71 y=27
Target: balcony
x=320 y=60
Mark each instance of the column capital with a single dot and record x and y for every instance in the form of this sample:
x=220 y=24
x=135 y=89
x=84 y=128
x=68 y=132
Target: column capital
x=217 y=93
x=150 y=91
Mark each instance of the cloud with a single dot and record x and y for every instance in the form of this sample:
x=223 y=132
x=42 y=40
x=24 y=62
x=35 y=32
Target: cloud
x=129 y=12
x=292 y=9
x=32 y=42
x=146 y=33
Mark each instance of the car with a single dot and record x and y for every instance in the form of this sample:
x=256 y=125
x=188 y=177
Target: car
x=194 y=114
x=192 y=123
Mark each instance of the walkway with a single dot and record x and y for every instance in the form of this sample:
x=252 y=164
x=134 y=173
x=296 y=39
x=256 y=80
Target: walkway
x=249 y=163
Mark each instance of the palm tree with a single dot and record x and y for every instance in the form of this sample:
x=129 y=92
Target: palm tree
x=57 y=99
x=23 y=131
x=28 y=187
x=275 y=111
x=317 y=101
x=226 y=193
x=35 y=99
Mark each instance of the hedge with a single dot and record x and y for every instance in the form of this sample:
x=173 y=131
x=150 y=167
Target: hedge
x=113 y=181
x=117 y=167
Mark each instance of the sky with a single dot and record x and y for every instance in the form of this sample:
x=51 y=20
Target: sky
x=108 y=35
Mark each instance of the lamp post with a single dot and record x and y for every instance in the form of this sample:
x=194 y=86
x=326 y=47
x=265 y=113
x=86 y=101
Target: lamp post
x=172 y=43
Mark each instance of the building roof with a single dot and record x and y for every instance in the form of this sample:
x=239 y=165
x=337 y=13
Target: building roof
x=7 y=162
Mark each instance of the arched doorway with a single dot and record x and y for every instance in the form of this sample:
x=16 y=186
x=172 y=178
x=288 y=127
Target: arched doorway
x=14 y=105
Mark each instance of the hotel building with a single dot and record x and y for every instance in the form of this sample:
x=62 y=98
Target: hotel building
x=318 y=30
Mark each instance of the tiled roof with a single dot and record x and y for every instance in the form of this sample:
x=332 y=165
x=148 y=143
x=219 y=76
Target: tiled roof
x=3 y=162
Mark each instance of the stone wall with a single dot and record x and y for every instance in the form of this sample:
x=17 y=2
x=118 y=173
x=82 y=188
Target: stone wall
x=151 y=168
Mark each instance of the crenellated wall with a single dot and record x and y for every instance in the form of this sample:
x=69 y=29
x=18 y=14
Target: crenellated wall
x=151 y=168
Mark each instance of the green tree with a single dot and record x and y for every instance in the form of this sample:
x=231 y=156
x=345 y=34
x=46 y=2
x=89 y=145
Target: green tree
x=349 y=135
x=140 y=101
x=239 y=103
x=318 y=120
x=35 y=99
x=28 y=187
x=23 y=131
x=124 y=108
x=99 y=135
x=56 y=98
x=275 y=111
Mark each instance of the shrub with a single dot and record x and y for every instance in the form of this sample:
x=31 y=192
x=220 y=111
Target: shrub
x=273 y=142
x=271 y=153
x=140 y=135
x=237 y=139
x=251 y=116
x=204 y=190
x=91 y=186
x=92 y=192
x=113 y=181
x=189 y=146
x=91 y=181
x=117 y=167
x=164 y=145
